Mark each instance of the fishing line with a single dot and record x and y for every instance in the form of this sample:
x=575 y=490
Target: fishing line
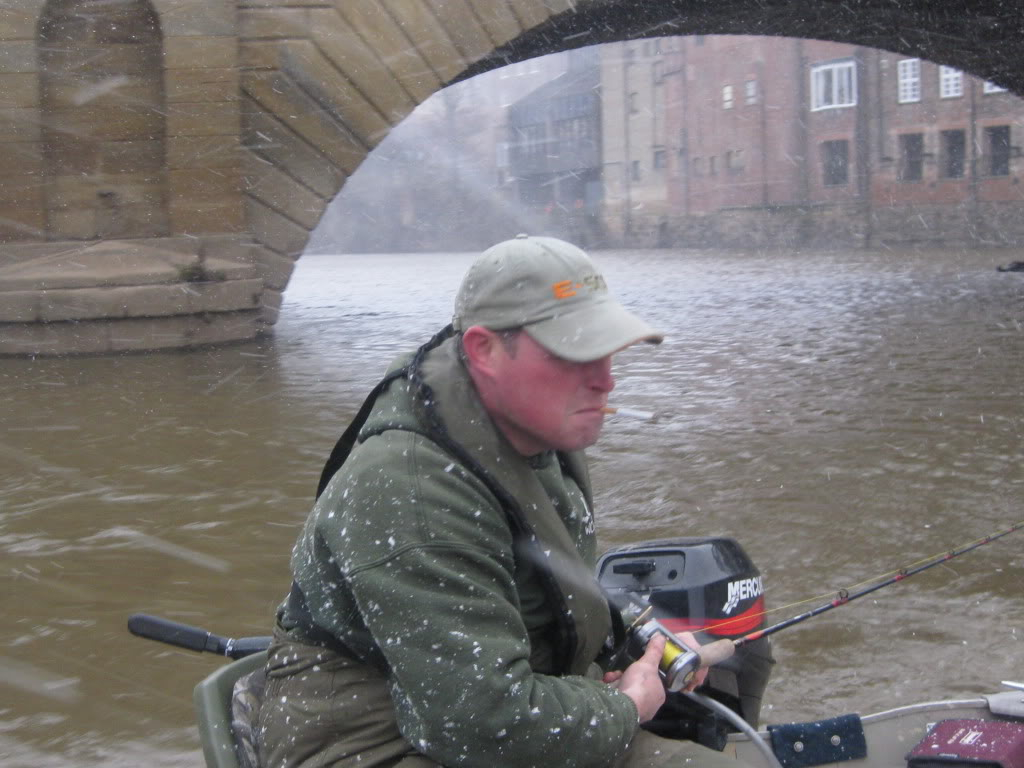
x=854 y=591
x=679 y=663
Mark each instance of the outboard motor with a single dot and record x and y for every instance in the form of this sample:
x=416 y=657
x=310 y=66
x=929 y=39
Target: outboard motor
x=708 y=586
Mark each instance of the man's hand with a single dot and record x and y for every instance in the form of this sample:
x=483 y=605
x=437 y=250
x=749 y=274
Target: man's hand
x=702 y=674
x=640 y=680
x=636 y=680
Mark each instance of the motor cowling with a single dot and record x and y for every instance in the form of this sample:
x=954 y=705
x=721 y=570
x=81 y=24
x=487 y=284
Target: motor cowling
x=708 y=586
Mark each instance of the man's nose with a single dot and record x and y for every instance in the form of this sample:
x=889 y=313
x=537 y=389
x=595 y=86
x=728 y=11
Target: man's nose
x=600 y=374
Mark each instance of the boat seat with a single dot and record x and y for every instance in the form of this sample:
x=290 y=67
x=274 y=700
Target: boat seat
x=212 y=699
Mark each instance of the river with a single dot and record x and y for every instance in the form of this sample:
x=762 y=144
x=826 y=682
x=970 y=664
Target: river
x=840 y=414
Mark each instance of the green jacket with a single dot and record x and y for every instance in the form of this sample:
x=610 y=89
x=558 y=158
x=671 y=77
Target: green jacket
x=485 y=620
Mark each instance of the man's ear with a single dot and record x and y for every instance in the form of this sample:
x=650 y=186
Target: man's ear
x=480 y=346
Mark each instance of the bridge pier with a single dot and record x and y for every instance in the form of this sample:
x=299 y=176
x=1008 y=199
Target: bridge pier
x=127 y=296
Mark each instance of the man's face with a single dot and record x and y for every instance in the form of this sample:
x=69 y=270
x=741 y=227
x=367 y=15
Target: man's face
x=543 y=402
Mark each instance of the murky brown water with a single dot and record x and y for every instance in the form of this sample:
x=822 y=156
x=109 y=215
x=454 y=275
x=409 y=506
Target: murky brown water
x=840 y=414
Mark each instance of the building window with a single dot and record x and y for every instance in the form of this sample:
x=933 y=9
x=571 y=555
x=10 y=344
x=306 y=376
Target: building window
x=990 y=87
x=951 y=83
x=835 y=162
x=634 y=170
x=712 y=166
x=911 y=156
x=908 y=73
x=997 y=140
x=727 y=97
x=660 y=158
x=734 y=160
x=634 y=103
x=954 y=149
x=656 y=71
x=698 y=166
x=834 y=85
x=750 y=92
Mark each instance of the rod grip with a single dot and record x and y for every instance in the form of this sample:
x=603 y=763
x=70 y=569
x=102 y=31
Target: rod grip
x=173 y=633
x=716 y=652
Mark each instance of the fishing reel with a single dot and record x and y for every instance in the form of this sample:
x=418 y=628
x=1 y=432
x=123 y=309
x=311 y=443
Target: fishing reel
x=705 y=585
x=679 y=663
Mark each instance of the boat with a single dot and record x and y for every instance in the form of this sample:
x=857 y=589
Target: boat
x=706 y=585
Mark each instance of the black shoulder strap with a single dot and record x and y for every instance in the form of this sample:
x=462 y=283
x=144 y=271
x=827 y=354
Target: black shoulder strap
x=348 y=438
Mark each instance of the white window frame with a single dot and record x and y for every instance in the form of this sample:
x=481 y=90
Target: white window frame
x=951 y=82
x=908 y=73
x=727 y=97
x=750 y=92
x=989 y=87
x=834 y=85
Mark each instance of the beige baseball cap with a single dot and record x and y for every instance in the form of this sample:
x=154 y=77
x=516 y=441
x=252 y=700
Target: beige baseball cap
x=554 y=292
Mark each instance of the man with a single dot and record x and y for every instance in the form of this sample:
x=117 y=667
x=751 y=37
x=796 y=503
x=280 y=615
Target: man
x=444 y=609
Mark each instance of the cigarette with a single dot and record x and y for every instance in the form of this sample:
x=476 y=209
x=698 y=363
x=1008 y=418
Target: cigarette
x=633 y=413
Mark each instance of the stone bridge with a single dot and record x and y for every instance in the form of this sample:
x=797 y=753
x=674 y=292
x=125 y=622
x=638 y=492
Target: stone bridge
x=163 y=162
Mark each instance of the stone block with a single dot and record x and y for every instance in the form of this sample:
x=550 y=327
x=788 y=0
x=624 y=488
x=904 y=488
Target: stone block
x=143 y=220
x=498 y=19
x=133 y=63
x=280 y=96
x=21 y=223
x=226 y=296
x=53 y=338
x=277 y=190
x=393 y=50
x=259 y=54
x=531 y=13
x=271 y=307
x=460 y=23
x=201 y=51
x=106 y=191
x=200 y=184
x=207 y=85
x=19 y=306
x=223 y=328
x=22 y=158
x=20 y=124
x=358 y=63
x=110 y=302
x=238 y=249
x=333 y=91
x=429 y=37
x=273 y=23
x=19 y=89
x=196 y=17
x=273 y=230
x=133 y=157
x=19 y=20
x=21 y=190
x=189 y=217
x=138 y=334
x=268 y=138
x=18 y=56
x=77 y=224
x=104 y=123
x=275 y=269
x=203 y=152
x=204 y=119
x=72 y=153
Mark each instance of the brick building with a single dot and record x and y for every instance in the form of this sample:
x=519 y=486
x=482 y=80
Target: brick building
x=811 y=143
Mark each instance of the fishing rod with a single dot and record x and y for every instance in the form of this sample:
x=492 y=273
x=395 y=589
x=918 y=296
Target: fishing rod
x=679 y=664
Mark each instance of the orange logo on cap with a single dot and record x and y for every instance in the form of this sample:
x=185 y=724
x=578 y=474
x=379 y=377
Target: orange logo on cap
x=567 y=288
x=563 y=289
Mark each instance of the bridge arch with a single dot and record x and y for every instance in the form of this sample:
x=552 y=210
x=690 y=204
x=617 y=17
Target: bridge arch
x=360 y=70
x=271 y=105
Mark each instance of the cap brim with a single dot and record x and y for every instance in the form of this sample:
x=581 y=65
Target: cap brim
x=592 y=332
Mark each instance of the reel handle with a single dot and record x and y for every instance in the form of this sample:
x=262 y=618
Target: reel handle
x=681 y=667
